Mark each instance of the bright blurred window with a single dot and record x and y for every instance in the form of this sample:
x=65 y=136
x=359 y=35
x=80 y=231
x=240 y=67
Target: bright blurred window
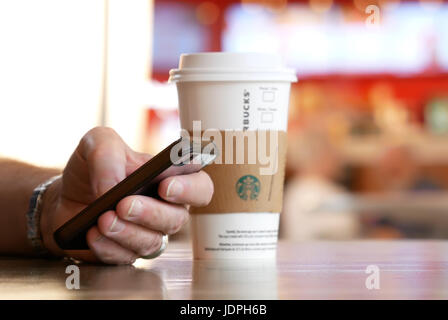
x=176 y=30
x=409 y=39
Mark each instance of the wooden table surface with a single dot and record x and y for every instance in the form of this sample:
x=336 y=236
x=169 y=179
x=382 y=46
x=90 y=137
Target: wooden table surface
x=312 y=270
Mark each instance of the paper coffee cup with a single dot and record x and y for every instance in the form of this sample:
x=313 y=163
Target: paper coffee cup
x=243 y=94
x=236 y=279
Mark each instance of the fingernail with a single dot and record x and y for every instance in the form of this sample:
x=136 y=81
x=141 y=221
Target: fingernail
x=134 y=208
x=116 y=225
x=99 y=238
x=174 y=189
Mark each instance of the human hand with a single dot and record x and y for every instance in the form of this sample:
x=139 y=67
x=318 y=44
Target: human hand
x=135 y=228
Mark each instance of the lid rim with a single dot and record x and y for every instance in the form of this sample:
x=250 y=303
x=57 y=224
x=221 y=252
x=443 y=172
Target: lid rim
x=227 y=66
x=223 y=78
x=235 y=71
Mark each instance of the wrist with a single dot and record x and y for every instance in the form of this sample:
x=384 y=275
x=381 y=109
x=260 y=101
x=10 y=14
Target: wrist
x=50 y=205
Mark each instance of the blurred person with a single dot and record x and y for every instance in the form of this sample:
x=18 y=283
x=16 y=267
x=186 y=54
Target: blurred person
x=305 y=212
x=100 y=161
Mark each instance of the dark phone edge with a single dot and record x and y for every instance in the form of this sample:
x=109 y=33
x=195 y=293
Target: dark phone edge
x=64 y=240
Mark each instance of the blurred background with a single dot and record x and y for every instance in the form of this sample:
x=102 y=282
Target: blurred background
x=368 y=122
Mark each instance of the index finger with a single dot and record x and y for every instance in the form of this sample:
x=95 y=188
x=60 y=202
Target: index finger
x=105 y=154
x=195 y=189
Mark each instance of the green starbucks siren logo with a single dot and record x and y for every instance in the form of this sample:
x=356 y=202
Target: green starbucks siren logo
x=248 y=187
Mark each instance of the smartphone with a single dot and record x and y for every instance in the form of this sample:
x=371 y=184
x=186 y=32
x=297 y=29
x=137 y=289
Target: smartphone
x=179 y=158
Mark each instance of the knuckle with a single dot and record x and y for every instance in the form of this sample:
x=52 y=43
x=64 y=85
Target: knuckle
x=94 y=132
x=107 y=255
x=102 y=131
x=157 y=242
x=145 y=251
x=129 y=239
x=152 y=246
x=88 y=143
x=181 y=220
x=154 y=213
x=91 y=133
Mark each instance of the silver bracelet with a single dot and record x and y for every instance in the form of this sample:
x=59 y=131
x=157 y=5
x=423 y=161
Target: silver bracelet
x=33 y=216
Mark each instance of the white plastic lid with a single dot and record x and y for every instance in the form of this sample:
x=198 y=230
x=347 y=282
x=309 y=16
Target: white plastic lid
x=231 y=66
